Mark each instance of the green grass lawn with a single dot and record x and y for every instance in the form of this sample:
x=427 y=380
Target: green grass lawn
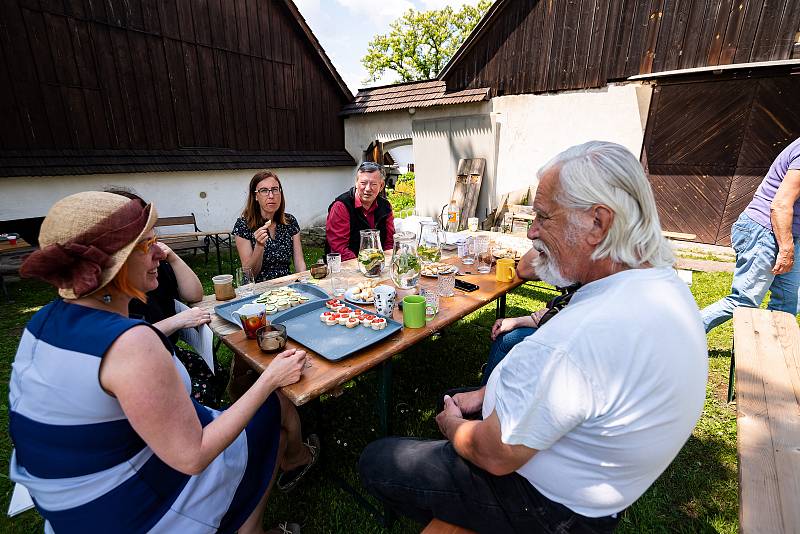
x=697 y=493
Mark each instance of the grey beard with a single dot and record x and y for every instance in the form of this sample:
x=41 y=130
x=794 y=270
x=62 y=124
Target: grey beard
x=546 y=268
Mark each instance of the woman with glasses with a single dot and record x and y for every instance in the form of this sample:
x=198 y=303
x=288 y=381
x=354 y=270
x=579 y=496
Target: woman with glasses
x=268 y=238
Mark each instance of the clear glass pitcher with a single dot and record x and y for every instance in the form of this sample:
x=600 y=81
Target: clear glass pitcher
x=431 y=239
x=370 y=253
x=405 y=263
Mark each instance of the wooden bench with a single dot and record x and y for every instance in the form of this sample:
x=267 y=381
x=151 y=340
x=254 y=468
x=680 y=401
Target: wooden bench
x=183 y=241
x=437 y=526
x=767 y=362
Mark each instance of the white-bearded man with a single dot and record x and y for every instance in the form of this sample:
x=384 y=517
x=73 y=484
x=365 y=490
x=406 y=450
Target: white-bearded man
x=578 y=420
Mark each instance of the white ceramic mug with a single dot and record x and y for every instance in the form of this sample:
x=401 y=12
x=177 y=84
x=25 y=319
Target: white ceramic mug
x=384 y=300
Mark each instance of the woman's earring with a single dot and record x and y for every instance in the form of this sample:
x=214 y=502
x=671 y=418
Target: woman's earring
x=107 y=298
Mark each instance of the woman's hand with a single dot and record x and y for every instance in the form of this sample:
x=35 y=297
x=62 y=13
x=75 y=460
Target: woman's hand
x=193 y=317
x=262 y=234
x=501 y=326
x=286 y=367
x=166 y=252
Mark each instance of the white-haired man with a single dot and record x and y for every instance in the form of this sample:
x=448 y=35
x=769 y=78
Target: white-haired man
x=582 y=417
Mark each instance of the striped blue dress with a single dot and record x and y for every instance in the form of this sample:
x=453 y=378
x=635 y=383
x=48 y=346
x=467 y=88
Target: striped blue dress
x=86 y=468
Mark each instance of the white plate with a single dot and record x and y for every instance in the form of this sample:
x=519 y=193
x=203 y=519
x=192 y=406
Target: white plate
x=348 y=296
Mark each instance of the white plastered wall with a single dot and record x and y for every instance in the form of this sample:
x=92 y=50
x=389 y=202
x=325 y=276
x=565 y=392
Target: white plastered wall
x=515 y=134
x=534 y=128
x=215 y=197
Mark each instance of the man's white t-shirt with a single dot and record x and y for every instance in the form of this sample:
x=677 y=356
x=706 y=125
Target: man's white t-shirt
x=607 y=391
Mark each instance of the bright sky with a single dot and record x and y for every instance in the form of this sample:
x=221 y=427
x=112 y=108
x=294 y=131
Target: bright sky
x=345 y=28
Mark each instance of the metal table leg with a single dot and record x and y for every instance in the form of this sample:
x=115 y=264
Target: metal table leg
x=219 y=258
x=385 y=397
x=500 y=311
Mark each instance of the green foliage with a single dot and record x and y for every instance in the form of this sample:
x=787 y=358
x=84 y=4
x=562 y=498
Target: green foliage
x=407 y=177
x=420 y=43
x=403 y=196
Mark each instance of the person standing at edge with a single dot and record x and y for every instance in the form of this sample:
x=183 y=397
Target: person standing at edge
x=765 y=239
x=360 y=208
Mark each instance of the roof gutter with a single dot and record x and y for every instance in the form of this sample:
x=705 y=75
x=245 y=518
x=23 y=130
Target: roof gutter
x=717 y=69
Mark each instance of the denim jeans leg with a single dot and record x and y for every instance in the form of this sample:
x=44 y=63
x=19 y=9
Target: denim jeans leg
x=756 y=250
x=502 y=346
x=785 y=286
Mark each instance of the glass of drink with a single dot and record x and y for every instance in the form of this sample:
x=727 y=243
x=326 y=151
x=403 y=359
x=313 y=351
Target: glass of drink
x=431 y=297
x=335 y=268
x=466 y=251
x=445 y=285
x=483 y=254
x=244 y=282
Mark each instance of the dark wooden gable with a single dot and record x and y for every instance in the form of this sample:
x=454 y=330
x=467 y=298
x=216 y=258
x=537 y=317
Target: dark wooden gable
x=92 y=86
x=531 y=46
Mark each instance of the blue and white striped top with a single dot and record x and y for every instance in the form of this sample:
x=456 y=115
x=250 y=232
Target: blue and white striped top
x=85 y=466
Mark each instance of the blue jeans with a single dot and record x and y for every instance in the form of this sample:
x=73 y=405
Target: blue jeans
x=423 y=479
x=502 y=346
x=756 y=251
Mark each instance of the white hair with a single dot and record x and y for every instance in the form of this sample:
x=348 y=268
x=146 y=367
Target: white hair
x=600 y=172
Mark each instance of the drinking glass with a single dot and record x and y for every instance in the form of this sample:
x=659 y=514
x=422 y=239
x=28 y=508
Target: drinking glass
x=445 y=284
x=334 y=262
x=431 y=297
x=244 y=282
x=335 y=267
x=466 y=251
x=483 y=254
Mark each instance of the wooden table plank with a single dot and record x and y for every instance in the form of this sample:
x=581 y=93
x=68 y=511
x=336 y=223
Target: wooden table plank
x=323 y=376
x=768 y=420
x=783 y=403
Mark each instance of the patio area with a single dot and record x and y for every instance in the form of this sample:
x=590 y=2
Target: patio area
x=697 y=493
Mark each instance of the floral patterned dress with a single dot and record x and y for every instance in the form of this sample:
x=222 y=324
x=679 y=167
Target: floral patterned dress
x=277 y=250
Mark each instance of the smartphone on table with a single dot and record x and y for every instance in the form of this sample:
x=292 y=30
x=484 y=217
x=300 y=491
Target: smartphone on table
x=466 y=287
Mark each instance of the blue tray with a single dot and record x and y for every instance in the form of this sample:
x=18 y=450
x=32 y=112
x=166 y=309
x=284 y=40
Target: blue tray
x=331 y=342
x=226 y=310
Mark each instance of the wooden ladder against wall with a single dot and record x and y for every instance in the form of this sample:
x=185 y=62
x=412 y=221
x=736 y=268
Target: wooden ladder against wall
x=468 y=187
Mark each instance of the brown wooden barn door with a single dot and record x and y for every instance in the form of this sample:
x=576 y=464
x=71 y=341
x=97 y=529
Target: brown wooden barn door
x=773 y=123
x=691 y=149
x=709 y=144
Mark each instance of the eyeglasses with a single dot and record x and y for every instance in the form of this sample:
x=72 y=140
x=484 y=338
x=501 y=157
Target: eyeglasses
x=146 y=245
x=269 y=191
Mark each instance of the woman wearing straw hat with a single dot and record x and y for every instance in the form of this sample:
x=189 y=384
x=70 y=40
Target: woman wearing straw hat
x=106 y=435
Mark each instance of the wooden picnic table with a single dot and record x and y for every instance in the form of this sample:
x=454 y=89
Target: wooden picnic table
x=323 y=376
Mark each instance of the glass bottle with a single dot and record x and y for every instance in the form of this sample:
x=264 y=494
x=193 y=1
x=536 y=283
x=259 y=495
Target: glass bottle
x=431 y=237
x=370 y=254
x=405 y=263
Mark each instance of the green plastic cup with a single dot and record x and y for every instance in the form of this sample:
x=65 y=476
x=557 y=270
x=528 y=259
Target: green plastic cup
x=414 y=311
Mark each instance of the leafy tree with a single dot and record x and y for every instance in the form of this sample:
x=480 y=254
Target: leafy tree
x=420 y=43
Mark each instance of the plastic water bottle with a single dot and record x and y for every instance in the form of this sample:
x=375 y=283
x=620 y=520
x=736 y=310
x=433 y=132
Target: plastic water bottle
x=452 y=217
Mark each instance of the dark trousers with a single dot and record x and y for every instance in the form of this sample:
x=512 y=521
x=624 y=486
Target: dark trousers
x=423 y=479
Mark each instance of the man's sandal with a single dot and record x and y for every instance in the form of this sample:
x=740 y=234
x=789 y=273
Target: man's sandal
x=289 y=479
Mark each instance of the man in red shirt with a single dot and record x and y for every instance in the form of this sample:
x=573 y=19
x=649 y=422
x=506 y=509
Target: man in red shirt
x=360 y=208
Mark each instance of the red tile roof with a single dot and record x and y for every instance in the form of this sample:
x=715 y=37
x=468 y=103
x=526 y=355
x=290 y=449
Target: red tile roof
x=407 y=95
